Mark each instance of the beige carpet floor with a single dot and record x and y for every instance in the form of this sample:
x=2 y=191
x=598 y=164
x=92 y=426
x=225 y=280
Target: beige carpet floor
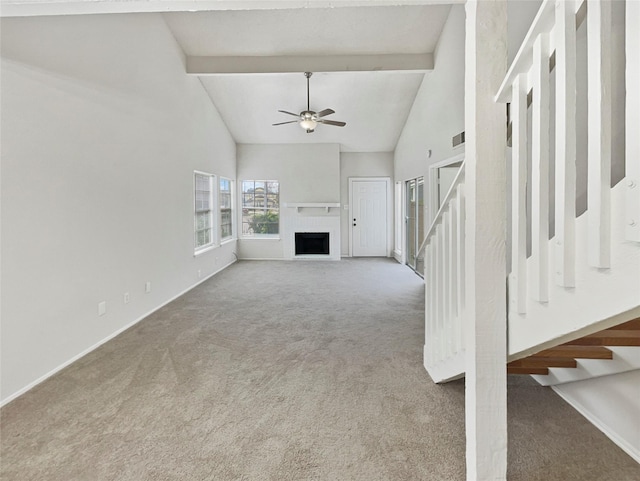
x=283 y=371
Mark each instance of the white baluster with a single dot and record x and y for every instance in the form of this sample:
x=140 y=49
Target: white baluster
x=446 y=286
x=599 y=132
x=453 y=258
x=436 y=295
x=429 y=288
x=519 y=193
x=442 y=289
x=540 y=170
x=565 y=212
x=461 y=262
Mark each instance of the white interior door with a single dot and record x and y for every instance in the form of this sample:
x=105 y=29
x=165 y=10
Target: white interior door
x=369 y=218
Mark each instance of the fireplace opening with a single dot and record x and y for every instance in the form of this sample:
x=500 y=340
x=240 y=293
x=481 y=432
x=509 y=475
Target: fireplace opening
x=312 y=243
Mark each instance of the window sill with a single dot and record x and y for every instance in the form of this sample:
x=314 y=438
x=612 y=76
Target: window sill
x=204 y=250
x=226 y=241
x=262 y=237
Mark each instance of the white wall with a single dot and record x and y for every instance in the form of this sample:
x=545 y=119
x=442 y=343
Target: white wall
x=437 y=113
x=357 y=164
x=611 y=403
x=438 y=110
x=306 y=172
x=101 y=133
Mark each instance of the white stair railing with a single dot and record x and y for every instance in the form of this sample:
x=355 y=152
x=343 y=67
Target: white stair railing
x=588 y=274
x=444 y=278
x=570 y=275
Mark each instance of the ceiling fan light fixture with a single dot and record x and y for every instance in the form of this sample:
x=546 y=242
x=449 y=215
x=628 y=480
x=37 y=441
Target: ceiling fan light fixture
x=308 y=124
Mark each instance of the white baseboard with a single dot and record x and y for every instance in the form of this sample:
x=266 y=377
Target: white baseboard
x=262 y=259
x=33 y=384
x=620 y=442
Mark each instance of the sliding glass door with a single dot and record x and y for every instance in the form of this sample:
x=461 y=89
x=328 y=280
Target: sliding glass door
x=414 y=208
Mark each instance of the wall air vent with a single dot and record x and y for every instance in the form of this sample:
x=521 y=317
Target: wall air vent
x=458 y=139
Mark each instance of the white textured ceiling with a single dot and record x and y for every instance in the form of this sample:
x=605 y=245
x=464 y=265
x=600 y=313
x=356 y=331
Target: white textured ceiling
x=375 y=104
x=310 y=31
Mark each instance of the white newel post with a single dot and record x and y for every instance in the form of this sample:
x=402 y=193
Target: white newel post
x=485 y=325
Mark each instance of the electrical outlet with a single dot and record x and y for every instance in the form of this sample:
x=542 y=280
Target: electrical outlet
x=199 y=273
x=126 y=298
x=147 y=287
x=102 y=308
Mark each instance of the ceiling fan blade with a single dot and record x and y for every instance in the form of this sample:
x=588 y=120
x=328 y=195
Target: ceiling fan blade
x=332 y=122
x=325 y=112
x=289 y=113
x=289 y=122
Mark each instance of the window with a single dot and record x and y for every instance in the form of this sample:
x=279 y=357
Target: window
x=226 y=219
x=203 y=189
x=260 y=207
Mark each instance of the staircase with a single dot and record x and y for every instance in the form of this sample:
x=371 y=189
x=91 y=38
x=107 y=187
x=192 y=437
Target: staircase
x=573 y=224
x=574 y=280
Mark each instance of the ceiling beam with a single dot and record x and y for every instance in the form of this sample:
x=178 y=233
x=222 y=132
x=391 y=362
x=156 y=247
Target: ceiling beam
x=28 y=8
x=304 y=63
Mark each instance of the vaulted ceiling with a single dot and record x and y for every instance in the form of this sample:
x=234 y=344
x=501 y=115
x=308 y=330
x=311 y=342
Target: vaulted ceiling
x=368 y=64
x=368 y=58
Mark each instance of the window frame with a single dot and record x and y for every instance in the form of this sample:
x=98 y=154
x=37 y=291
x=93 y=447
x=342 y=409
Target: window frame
x=197 y=249
x=221 y=208
x=265 y=209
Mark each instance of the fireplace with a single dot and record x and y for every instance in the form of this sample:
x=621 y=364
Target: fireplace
x=311 y=243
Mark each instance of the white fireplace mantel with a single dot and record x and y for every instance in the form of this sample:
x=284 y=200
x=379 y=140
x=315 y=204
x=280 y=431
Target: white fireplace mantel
x=312 y=205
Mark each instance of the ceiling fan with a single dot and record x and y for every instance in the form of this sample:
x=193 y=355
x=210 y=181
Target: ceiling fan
x=308 y=119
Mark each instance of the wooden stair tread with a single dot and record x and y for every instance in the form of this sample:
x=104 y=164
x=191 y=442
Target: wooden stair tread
x=539 y=361
x=609 y=337
x=577 y=352
x=543 y=371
